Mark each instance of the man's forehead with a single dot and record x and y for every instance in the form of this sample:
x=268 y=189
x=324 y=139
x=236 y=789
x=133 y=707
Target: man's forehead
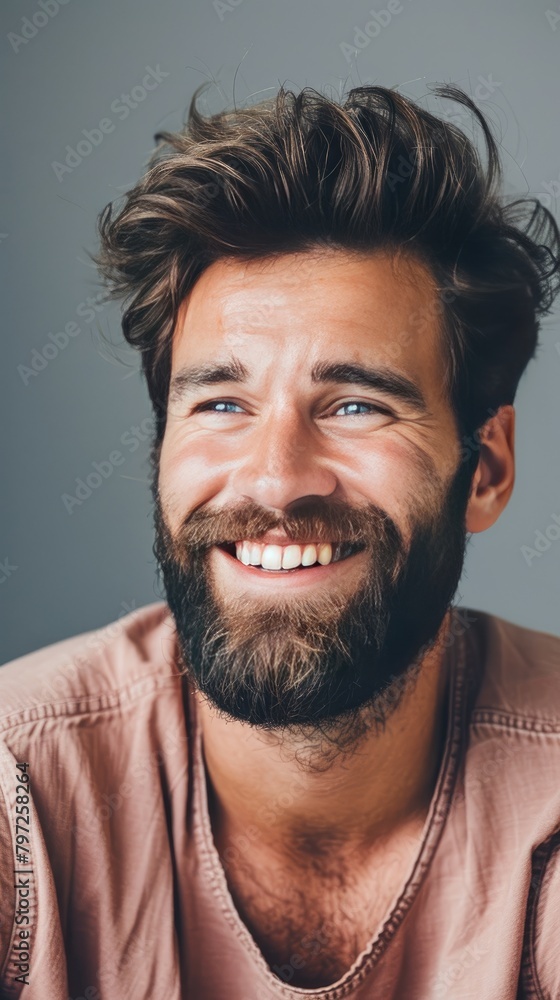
x=384 y=302
x=371 y=285
x=289 y=269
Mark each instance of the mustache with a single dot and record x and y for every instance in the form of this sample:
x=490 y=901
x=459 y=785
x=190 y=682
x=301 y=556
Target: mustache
x=333 y=521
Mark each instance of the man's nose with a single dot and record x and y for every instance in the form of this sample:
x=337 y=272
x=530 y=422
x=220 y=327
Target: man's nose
x=283 y=462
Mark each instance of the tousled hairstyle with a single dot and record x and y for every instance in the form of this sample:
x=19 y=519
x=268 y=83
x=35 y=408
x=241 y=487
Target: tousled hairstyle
x=300 y=172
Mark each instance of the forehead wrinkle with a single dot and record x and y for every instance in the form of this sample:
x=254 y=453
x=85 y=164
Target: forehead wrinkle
x=259 y=314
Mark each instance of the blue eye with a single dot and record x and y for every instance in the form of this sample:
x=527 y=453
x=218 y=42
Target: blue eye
x=369 y=407
x=212 y=407
x=216 y=402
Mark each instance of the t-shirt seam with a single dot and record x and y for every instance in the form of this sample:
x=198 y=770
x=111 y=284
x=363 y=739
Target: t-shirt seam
x=495 y=718
x=99 y=703
x=546 y=849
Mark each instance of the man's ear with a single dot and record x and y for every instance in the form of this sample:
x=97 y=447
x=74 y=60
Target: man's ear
x=493 y=480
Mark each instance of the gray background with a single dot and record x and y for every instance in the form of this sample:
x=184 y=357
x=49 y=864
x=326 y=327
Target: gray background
x=64 y=573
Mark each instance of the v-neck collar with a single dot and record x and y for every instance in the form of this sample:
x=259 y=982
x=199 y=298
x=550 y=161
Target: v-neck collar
x=454 y=662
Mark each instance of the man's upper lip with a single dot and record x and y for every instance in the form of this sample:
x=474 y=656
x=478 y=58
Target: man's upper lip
x=278 y=538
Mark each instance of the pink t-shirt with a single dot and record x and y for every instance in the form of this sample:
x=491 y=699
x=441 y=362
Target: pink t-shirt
x=111 y=886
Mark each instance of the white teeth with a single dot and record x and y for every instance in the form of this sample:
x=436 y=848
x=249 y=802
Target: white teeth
x=291 y=556
x=324 y=555
x=276 y=557
x=255 y=554
x=271 y=557
x=309 y=555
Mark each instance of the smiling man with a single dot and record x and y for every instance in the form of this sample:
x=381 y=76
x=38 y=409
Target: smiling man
x=307 y=772
x=324 y=608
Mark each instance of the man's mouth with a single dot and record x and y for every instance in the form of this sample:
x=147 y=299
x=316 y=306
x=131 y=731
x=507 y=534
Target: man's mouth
x=287 y=558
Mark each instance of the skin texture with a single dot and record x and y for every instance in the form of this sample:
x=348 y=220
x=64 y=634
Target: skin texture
x=283 y=446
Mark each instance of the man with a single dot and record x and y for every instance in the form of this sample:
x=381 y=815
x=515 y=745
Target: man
x=308 y=772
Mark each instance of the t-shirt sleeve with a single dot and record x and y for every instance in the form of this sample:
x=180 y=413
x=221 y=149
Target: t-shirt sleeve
x=33 y=963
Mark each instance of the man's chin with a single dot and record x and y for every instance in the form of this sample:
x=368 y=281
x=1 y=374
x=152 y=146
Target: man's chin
x=316 y=721
x=285 y=663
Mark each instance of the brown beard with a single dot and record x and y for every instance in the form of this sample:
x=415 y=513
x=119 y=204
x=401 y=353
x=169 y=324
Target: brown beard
x=328 y=666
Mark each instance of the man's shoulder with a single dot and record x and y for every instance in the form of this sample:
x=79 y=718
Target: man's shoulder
x=519 y=672
x=137 y=649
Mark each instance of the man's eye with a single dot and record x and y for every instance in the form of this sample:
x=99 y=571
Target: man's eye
x=219 y=406
x=369 y=407
x=214 y=403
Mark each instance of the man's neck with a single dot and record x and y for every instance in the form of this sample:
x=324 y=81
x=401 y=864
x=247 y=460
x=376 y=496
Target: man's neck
x=263 y=788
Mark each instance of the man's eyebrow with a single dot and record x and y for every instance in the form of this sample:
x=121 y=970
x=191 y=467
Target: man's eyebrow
x=385 y=380
x=191 y=377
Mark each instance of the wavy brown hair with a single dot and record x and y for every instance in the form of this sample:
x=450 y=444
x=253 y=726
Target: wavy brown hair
x=300 y=172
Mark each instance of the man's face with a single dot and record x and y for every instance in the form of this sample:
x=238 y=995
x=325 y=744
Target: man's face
x=285 y=447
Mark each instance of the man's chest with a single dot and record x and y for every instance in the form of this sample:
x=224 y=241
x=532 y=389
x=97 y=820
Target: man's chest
x=311 y=927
